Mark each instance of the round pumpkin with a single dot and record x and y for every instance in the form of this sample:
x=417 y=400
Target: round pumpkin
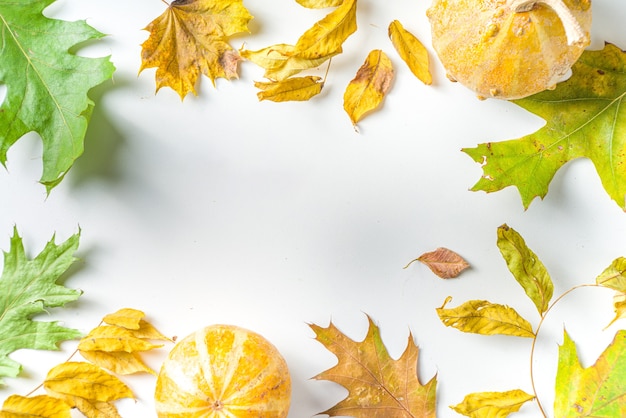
x=223 y=371
x=509 y=49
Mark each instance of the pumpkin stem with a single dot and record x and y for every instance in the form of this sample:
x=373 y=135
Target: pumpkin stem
x=574 y=32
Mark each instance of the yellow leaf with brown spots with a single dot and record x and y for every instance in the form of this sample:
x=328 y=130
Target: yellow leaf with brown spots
x=191 y=38
x=291 y=89
x=369 y=87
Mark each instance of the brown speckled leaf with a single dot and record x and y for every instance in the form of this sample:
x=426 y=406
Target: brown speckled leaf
x=443 y=262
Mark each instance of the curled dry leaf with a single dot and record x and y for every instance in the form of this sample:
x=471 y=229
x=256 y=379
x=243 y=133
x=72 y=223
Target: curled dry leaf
x=291 y=89
x=443 y=262
x=191 y=38
x=492 y=404
x=369 y=87
x=412 y=51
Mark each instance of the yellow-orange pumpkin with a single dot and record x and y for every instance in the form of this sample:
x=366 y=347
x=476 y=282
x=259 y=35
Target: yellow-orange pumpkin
x=223 y=371
x=509 y=49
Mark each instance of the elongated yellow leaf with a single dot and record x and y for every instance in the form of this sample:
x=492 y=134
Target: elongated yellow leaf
x=281 y=61
x=291 y=89
x=319 y=4
x=126 y=318
x=614 y=276
x=119 y=362
x=41 y=406
x=411 y=50
x=93 y=409
x=327 y=36
x=492 y=404
x=486 y=318
x=111 y=338
x=369 y=87
x=85 y=380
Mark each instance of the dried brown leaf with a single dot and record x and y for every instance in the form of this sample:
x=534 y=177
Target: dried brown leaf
x=445 y=263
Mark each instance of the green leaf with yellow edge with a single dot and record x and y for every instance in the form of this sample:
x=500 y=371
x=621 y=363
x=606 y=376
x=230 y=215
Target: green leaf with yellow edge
x=47 y=84
x=486 y=318
x=492 y=404
x=598 y=391
x=585 y=117
x=378 y=386
x=526 y=267
x=319 y=4
x=191 y=38
x=367 y=90
x=41 y=406
x=411 y=50
x=291 y=89
x=614 y=276
x=327 y=35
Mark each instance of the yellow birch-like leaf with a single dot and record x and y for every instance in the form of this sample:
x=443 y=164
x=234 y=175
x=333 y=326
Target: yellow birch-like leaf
x=126 y=318
x=93 y=409
x=486 y=318
x=369 y=87
x=319 y=4
x=492 y=404
x=190 y=38
x=119 y=362
x=614 y=276
x=291 y=89
x=41 y=406
x=412 y=51
x=445 y=263
x=111 y=338
x=327 y=36
x=85 y=380
x=148 y=331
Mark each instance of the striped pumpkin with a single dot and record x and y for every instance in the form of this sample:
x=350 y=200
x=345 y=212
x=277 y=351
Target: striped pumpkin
x=223 y=371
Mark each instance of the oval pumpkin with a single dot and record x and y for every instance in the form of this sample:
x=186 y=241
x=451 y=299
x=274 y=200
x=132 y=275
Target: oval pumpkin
x=509 y=49
x=223 y=371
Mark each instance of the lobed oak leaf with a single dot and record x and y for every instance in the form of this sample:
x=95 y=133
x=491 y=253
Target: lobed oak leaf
x=378 y=386
x=445 y=263
x=370 y=85
x=584 y=118
x=41 y=406
x=29 y=287
x=291 y=89
x=595 y=391
x=614 y=276
x=526 y=267
x=492 y=404
x=412 y=51
x=486 y=318
x=191 y=38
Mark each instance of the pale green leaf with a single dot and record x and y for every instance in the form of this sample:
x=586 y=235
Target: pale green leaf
x=492 y=404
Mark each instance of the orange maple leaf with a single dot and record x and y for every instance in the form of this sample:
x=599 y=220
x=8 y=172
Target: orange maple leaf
x=191 y=38
x=378 y=385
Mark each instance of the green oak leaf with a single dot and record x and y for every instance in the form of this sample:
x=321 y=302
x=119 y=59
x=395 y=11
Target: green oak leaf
x=585 y=117
x=28 y=287
x=47 y=84
x=598 y=391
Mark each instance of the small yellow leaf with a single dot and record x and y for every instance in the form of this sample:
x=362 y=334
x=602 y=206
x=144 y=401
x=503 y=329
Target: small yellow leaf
x=614 y=276
x=619 y=304
x=126 y=318
x=85 y=380
x=367 y=90
x=411 y=50
x=492 y=404
x=119 y=362
x=111 y=338
x=291 y=89
x=319 y=4
x=486 y=318
x=93 y=409
x=327 y=36
x=42 y=406
x=148 y=331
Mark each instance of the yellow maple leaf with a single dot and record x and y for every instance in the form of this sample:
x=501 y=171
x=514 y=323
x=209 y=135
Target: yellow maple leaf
x=369 y=87
x=292 y=89
x=411 y=50
x=41 y=406
x=191 y=38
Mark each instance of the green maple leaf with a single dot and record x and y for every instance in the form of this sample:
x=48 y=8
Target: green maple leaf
x=28 y=287
x=47 y=85
x=598 y=391
x=585 y=118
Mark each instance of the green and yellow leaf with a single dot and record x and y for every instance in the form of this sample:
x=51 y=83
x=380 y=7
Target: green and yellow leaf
x=41 y=406
x=367 y=90
x=619 y=305
x=492 y=404
x=291 y=89
x=412 y=51
x=486 y=318
x=526 y=267
x=614 y=276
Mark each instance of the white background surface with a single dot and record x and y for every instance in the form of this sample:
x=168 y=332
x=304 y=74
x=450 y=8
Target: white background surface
x=223 y=209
